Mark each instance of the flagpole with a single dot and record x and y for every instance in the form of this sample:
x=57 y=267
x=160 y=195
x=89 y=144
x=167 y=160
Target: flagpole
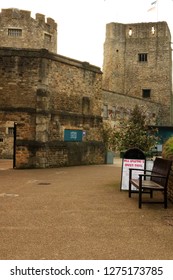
x=157 y=3
x=154 y=6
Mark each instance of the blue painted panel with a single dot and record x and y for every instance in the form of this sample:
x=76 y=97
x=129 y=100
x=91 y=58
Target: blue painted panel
x=73 y=135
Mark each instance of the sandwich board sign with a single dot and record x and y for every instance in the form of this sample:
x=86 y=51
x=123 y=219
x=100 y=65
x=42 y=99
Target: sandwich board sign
x=133 y=158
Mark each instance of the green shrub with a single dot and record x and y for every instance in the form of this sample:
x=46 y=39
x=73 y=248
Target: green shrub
x=131 y=133
x=167 y=150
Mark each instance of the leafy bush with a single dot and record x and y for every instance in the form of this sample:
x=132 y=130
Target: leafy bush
x=167 y=149
x=131 y=133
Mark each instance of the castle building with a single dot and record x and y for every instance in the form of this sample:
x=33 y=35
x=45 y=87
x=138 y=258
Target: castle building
x=137 y=69
x=50 y=105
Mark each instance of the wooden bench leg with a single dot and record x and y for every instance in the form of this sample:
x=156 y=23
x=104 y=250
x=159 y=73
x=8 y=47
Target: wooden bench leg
x=130 y=185
x=165 y=198
x=151 y=194
x=140 y=198
x=129 y=188
x=140 y=191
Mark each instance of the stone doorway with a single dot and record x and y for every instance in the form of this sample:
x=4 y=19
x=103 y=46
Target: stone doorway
x=7 y=144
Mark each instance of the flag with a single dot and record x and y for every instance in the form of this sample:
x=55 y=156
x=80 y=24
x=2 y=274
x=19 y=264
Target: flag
x=152 y=5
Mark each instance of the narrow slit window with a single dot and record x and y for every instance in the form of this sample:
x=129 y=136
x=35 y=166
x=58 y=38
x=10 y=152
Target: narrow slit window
x=130 y=32
x=47 y=38
x=153 y=30
x=85 y=105
x=105 y=111
x=113 y=112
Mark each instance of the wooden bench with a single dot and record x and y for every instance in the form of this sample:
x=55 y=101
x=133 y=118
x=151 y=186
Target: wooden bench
x=151 y=181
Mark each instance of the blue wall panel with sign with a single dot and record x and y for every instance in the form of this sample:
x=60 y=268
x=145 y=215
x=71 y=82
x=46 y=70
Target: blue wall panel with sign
x=72 y=135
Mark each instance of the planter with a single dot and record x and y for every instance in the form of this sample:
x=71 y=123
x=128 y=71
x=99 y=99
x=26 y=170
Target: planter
x=122 y=154
x=110 y=157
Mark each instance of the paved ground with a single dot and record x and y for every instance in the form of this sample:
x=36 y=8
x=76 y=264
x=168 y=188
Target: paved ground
x=78 y=213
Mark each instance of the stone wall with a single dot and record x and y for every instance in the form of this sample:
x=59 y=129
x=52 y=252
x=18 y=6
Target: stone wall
x=20 y=30
x=58 y=153
x=45 y=94
x=119 y=107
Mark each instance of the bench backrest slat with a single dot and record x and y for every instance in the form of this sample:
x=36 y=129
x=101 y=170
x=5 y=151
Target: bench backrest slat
x=161 y=167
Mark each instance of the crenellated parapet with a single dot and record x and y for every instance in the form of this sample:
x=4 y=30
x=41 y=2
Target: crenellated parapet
x=19 y=30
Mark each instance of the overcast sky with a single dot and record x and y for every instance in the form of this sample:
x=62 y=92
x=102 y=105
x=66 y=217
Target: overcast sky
x=81 y=23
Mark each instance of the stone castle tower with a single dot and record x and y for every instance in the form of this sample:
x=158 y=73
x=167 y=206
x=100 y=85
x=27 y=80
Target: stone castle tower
x=138 y=63
x=52 y=107
x=19 y=30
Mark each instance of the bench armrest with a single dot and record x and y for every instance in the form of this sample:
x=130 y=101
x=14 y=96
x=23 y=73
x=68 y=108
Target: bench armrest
x=145 y=170
x=154 y=176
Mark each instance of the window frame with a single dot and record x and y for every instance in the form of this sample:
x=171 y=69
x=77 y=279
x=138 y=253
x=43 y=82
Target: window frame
x=143 y=57
x=15 y=32
x=146 y=93
x=10 y=131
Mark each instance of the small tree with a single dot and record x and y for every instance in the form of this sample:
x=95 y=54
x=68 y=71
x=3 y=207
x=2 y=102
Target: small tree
x=110 y=136
x=133 y=132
